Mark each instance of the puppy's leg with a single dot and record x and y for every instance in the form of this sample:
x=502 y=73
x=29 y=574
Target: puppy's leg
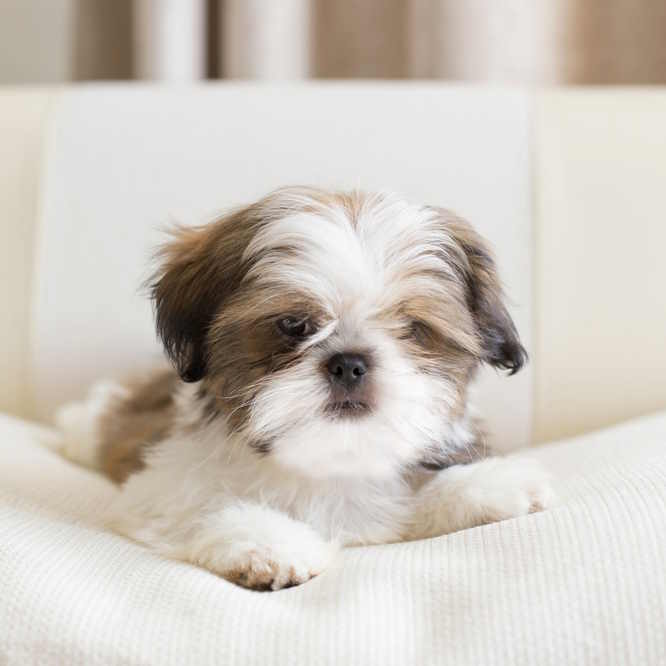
x=246 y=543
x=483 y=492
x=80 y=423
x=111 y=429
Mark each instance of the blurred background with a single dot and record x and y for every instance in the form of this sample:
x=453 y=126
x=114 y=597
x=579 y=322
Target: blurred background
x=510 y=41
x=570 y=160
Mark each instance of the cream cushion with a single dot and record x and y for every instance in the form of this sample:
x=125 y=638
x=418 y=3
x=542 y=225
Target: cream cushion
x=582 y=583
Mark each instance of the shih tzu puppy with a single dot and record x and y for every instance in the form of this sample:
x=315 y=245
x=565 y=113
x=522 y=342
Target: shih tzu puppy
x=323 y=345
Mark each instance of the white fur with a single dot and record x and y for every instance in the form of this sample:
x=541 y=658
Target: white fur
x=411 y=408
x=208 y=498
x=483 y=492
x=246 y=542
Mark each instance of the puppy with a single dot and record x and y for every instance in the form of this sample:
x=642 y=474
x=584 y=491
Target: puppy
x=323 y=344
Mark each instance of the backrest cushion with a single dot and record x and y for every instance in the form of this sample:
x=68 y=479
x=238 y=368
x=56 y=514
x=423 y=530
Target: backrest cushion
x=122 y=162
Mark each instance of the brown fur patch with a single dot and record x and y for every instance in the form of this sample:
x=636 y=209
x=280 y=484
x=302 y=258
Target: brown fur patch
x=200 y=268
x=476 y=264
x=246 y=346
x=135 y=422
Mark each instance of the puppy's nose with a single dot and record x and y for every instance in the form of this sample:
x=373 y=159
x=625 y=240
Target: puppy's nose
x=347 y=369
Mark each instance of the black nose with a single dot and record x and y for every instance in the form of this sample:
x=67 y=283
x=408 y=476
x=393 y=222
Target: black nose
x=347 y=369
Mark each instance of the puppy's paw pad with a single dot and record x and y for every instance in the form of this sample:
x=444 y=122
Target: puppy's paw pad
x=275 y=568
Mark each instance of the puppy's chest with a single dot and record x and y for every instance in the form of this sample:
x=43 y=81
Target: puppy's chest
x=351 y=513
x=351 y=510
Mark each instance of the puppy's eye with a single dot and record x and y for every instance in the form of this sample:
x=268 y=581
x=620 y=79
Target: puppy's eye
x=295 y=326
x=420 y=331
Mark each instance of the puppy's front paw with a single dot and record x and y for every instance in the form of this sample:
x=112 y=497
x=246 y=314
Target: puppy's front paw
x=252 y=545
x=509 y=487
x=274 y=567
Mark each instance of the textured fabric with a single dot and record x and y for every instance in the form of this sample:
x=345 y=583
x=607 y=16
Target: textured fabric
x=582 y=583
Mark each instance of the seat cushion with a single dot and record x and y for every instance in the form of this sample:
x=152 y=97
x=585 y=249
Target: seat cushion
x=581 y=583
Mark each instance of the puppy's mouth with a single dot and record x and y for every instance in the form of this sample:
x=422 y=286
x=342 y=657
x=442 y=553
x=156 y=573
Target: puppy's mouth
x=347 y=409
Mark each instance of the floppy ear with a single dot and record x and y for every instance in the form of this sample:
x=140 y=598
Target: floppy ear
x=200 y=268
x=501 y=346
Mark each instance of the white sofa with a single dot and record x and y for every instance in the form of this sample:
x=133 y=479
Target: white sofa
x=569 y=187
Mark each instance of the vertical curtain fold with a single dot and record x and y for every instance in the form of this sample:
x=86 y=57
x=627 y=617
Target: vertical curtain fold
x=170 y=39
x=512 y=41
x=265 y=40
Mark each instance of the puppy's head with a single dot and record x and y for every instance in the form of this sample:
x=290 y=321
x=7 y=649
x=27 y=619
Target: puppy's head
x=335 y=332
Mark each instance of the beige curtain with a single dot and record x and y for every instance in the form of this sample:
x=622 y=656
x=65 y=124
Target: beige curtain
x=518 y=41
x=515 y=41
x=539 y=41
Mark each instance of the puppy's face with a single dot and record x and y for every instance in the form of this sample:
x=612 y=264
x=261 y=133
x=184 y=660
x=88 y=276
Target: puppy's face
x=336 y=333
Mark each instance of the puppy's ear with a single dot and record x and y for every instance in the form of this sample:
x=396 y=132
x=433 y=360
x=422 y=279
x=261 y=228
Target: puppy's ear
x=199 y=268
x=501 y=346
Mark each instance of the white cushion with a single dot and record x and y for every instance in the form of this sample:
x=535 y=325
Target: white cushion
x=582 y=583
